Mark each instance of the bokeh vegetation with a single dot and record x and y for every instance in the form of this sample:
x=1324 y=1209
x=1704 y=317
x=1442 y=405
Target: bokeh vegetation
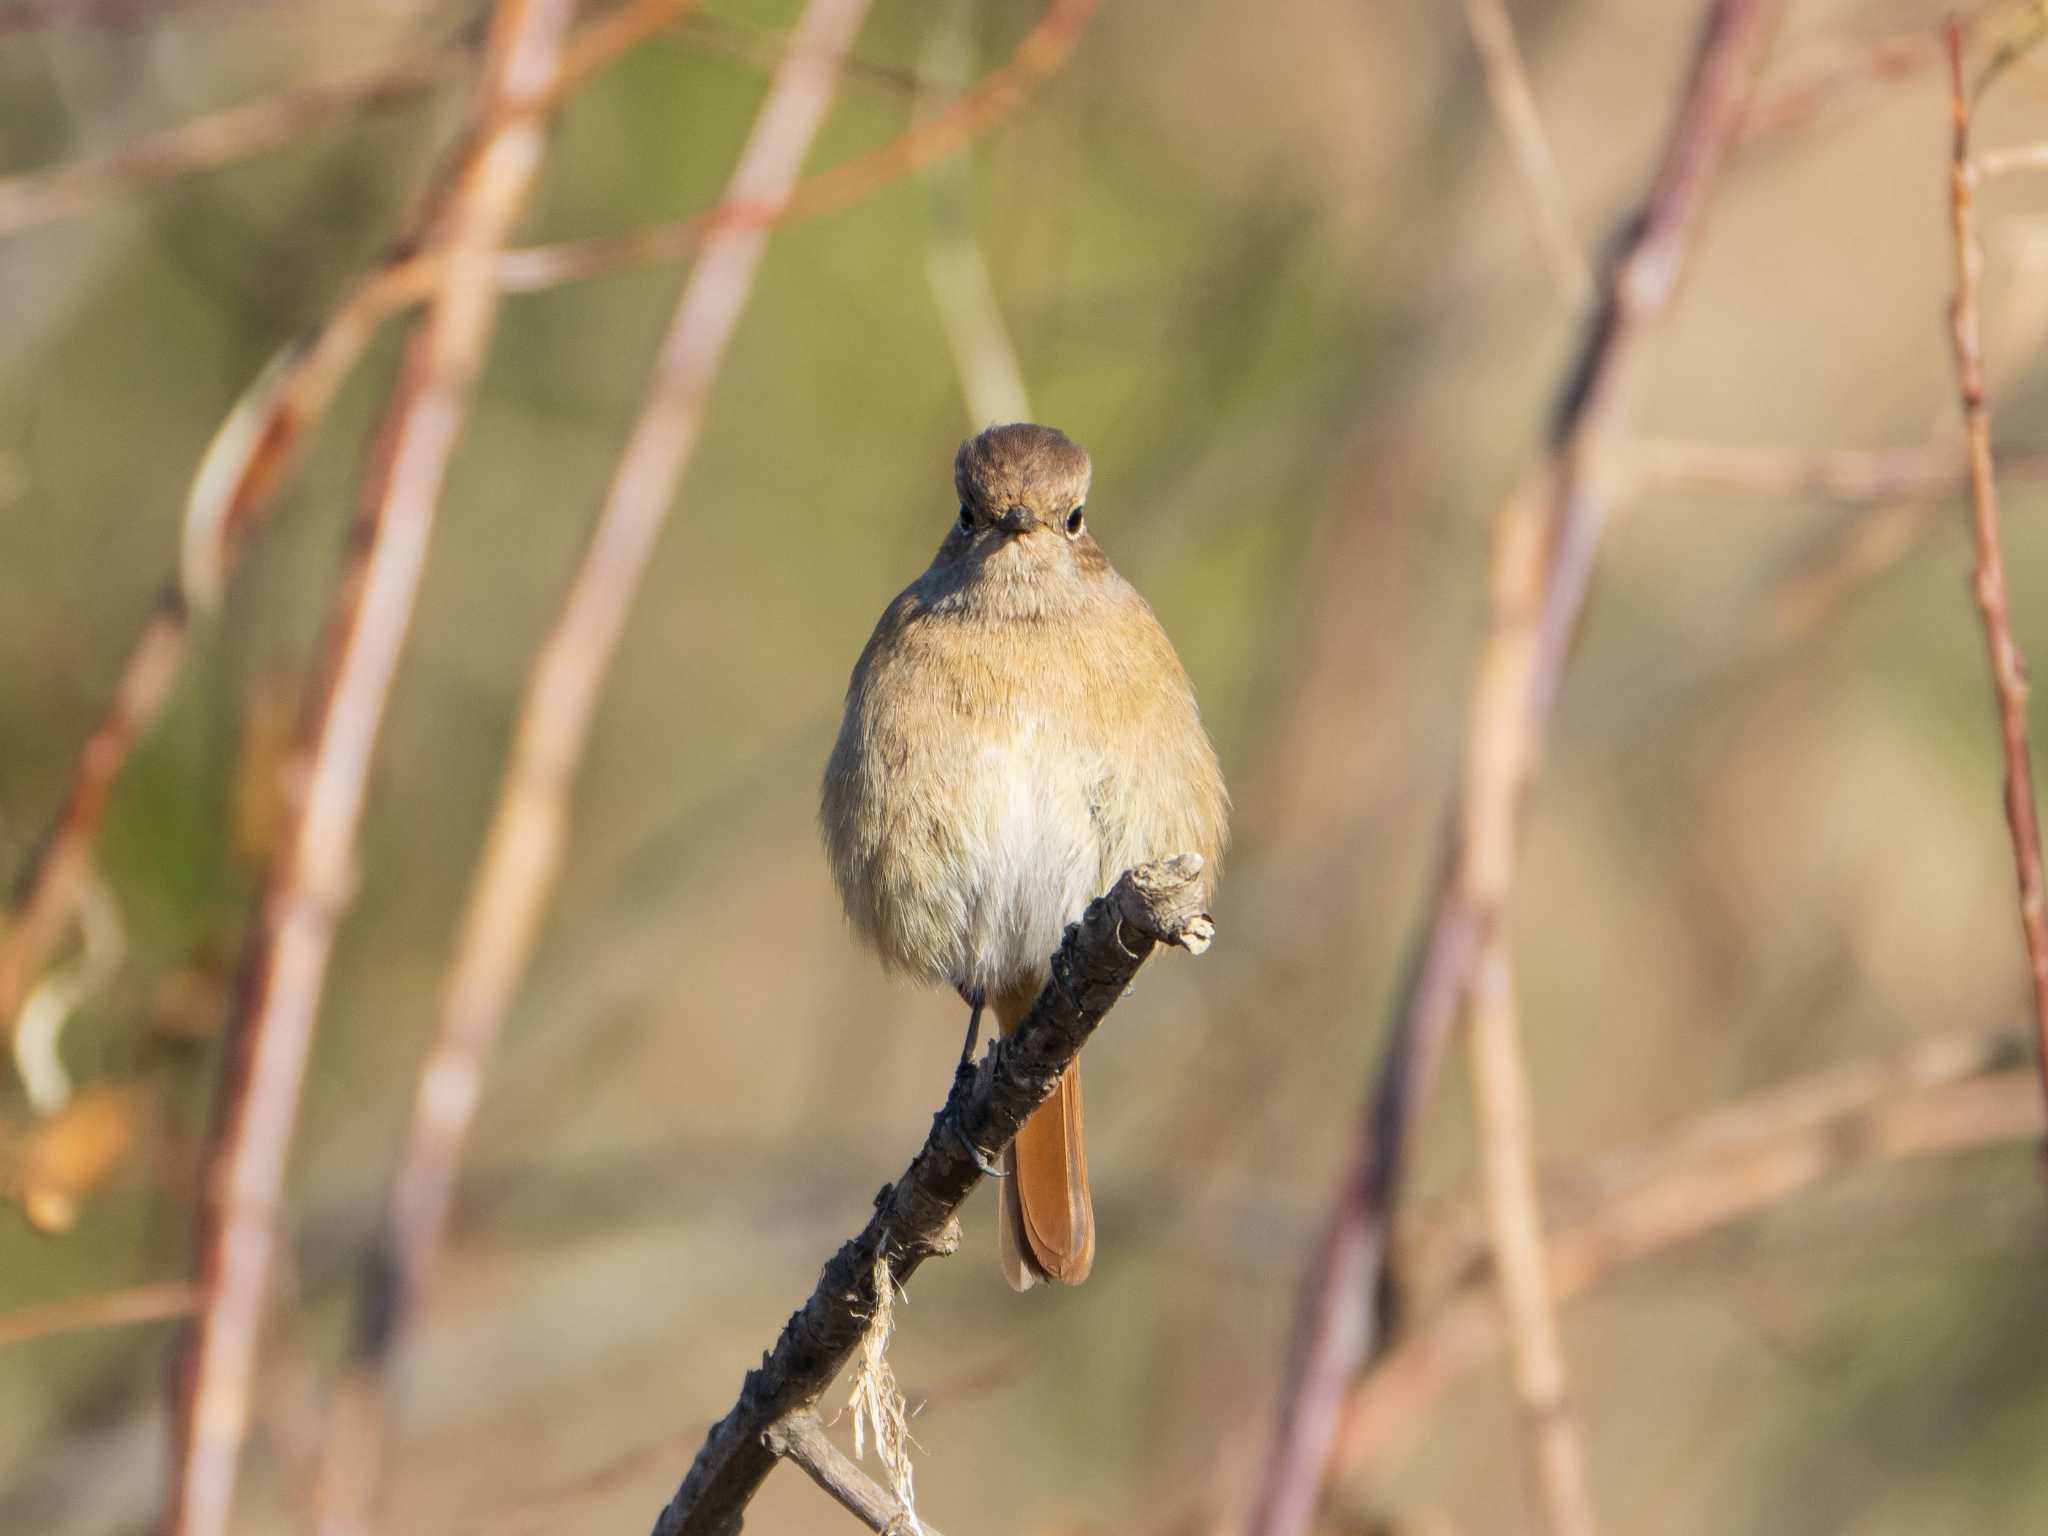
x=1274 y=269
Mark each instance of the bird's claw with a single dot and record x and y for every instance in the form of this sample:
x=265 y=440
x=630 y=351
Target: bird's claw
x=975 y=1155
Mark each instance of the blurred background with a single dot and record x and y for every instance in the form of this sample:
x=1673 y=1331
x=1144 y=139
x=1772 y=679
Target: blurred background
x=1274 y=268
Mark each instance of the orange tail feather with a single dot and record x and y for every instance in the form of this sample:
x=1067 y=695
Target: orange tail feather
x=1048 y=1220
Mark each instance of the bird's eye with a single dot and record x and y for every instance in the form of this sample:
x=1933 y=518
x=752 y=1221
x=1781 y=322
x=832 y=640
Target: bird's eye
x=966 y=517
x=1074 y=522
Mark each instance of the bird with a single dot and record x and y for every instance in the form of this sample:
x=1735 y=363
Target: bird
x=1019 y=730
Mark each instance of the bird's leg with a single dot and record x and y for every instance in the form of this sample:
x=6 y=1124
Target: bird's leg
x=963 y=1073
x=975 y=1000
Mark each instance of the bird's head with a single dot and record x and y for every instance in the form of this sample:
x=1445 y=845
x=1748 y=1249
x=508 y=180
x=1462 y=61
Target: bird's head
x=1021 y=483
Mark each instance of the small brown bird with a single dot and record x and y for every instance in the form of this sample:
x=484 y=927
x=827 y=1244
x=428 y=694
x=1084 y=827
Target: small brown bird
x=1018 y=733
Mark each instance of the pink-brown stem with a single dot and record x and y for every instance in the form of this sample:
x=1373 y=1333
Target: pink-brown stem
x=2008 y=666
x=1544 y=551
x=523 y=849
x=271 y=1028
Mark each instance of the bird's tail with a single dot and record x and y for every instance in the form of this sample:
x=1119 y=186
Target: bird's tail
x=1048 y=1221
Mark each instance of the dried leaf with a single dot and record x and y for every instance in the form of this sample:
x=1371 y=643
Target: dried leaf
x=60 y=1162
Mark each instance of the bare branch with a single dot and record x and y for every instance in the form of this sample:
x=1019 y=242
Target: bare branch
x=1557 y=1460
x=1850 y=476
x=1733 y=1163
x=2019 y=157
x=138 y=1304
x=1448 y=1253
x=2008 y=666
x=57 y=879
x=801 y=1438
x=917 y=1216
x=523 y=849
x=1514 y=110
x=1544 y=550
x=604 y=42
x=1041 y=54
x=209 y=142
x=984 y=357
x=270 y=1032
x=1843 y=71
x=762 y=48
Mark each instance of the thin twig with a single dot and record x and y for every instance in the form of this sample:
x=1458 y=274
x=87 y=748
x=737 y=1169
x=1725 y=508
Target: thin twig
x=57 y=879
x=138 y=1304
x=2008 y=666
x=523 y=849
x=762 y=48
x=2019 y=157
x=1653 y=1200
x=984 y=358
x=1457 y=1247
x=801 y=1438
x=601 y=44
x=212 y=141
x=1544 y=551
x=270 y=1033
x=1557 y=1459
x=1514 y=112
x=1849 y=476
x=917 y=1216
x=1837 y=72
x=1041 y=53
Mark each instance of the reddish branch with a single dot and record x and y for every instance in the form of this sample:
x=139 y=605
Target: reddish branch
x=1544 y=553
x=209 y=142
x=1041 y=54
x=271 y=1028
x=1847 y=70
x=139 y=1304
x=57 y=878
x=523 y=849
x=2008 y=666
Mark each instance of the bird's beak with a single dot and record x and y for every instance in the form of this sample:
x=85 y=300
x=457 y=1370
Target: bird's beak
x=1014 y=520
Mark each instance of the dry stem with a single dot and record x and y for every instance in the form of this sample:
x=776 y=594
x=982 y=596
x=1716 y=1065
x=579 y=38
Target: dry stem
x=270 y=1033
x=2008 y=666
x=1557 y=1459
x=138 y=1304
x=801 y=1438
x=1041 y=53
x=523 y=849
x=1849 y=476
x=1514 y=110
x=598 y=46
x=917 y=1216
x=1544 y=552
x=1737 y=1161
x=209 y=142
x=984 y=357
x=1836 y=72
x=57 y=879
